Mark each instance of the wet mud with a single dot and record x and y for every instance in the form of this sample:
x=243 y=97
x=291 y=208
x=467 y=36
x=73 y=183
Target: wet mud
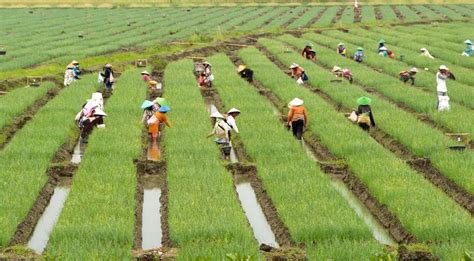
x=397 y=12
x=378 y=13
x=296 y=16
x=338 y=15
x=317 y=17
x=9 y=131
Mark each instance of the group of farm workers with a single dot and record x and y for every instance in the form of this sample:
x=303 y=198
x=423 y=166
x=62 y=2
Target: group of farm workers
x=154 y=116
x=151 y=84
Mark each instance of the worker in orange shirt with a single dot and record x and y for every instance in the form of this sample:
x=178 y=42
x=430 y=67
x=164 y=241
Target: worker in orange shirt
x=297 y=117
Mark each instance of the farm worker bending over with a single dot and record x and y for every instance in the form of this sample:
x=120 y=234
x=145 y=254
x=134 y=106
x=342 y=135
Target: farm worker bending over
x=208 y=72
x=231 y=115
x=146 y=76
x=341 y=49
x=381 y=44
x=91 y=115
x=441 y=76
x=298 y=73
x=365 y=118
x=468 y=51
x=76 y=69
x=297 y=117
x=426 y=53
x=221 y=129
x=160 y=102
x=154 y=118
x=308 y=52
x=109 y=78
x=245 y=73
x=152 y=85
x=345 y=73
x=359 y=55
x=409 y=75
x=68 y=75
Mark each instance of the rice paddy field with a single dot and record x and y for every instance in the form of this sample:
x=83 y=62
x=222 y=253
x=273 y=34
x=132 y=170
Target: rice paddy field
x=402 y=191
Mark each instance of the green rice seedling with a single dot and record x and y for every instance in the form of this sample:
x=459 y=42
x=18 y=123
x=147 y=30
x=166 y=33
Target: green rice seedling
x=458 y=9
x=408 y=195
x=24 y=161
x=265 y=14
x=303 y=20
x=452 y=32
x=285 y=17
x=446 y=11
x=347 y=16
x=18 y=101
x=418 y=100
x=409 y=14
x=368 y=14
x=326 y=18
x=388 y=13
x=205 y=218
x=420 y=138
x=98 y=218
x=307 y=203
x=427 y=12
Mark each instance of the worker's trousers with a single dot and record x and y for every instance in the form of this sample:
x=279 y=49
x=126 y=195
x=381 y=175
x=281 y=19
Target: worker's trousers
x=297 y=127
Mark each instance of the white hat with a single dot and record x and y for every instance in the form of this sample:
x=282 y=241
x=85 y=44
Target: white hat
x=296 y=102
x=294 y=65
x=99 y=112
x=336 y=68
x=233 y=110
x=108 y=65
x=145 y=72
x=414 y=69
x=207 y=63
x=216 y=114
x=74 y=62
x=423 y=49
x=443 y=67
x=97 y=96
x=383 y=48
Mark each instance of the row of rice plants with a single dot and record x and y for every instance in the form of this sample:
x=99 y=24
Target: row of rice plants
x=285 y=17
x=205 y=218
x=97 y=222
x=450 y=32
x=427 y=12
x=368 y=14
x=249 y=13
x=326 y=18
x=444 y=52
x=310 y=207
x=347 y=16
x=420 y=138
x=408 y=13
x=458 y=92
x=465 y=12
x=423 y=209
x=414 y=98
x=24 y=161
x=304 y=19
x=264 y=14
x=18 y=101
x=388 y=13
x=451 y=14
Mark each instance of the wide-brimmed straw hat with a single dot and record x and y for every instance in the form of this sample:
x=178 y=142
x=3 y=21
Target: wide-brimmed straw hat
x=468 y=42
x=164 y=109
x=210 y=65
x=108 y=65
x=423 y=49
x=70 y=66
x=233 y=110
x=383 y=48
x=295 y=102
x=74 y=62
x=443 y=67
x=360 y=48
x=294 y=65
x=309 y=44
x=339 y=44
x=146 y=104
x=99 y=112
x=216 y=114
x=152 y=82
x=336 y=68
x=414 y=70
x=145 y=72
x=241 y=68
x=364 y=101
x=161 y=101
x=381 y=41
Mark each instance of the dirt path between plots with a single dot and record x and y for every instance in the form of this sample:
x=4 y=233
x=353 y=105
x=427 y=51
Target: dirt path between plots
x=248 y=171
x=316 y=18
x=9 y=131
x=338 y=15
x=420 y=165
x=397 y=12
x=378 y=13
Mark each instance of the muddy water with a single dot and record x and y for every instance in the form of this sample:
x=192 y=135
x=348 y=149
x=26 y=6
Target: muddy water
x=151 y=219
x=262 y=230
x=379 y=233
x=77 y=154
x=40 y=237
x=153 y=152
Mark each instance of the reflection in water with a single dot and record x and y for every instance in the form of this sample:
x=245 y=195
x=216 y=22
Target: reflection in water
x=153 y=152
x=151 y=219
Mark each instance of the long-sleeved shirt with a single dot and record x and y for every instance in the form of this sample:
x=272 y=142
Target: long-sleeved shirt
x=221 y=129
x=247 y=74
x=427 y=54
x=365 y=109
x=441 y=82
x=308 y=53
x=341 y=50
x=358 y=56
x=297 y=113
x=405 y=76
x=108 y=75
x=468 y=50
x=232 y=123
x=297 y=72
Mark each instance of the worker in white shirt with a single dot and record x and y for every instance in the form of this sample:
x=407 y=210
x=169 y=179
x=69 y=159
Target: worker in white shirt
x=441 y=76
x=231 y=115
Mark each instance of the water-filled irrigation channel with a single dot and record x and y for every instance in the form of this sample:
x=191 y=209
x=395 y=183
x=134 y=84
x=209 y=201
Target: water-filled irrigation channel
x=151 y=219
x=379 y=233
x=40 y=237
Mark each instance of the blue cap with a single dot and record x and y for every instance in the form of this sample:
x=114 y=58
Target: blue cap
x=146 y=104
x=164 y=109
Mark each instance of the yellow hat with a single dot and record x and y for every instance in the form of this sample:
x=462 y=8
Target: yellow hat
x=241 y=68
x=153 y=83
